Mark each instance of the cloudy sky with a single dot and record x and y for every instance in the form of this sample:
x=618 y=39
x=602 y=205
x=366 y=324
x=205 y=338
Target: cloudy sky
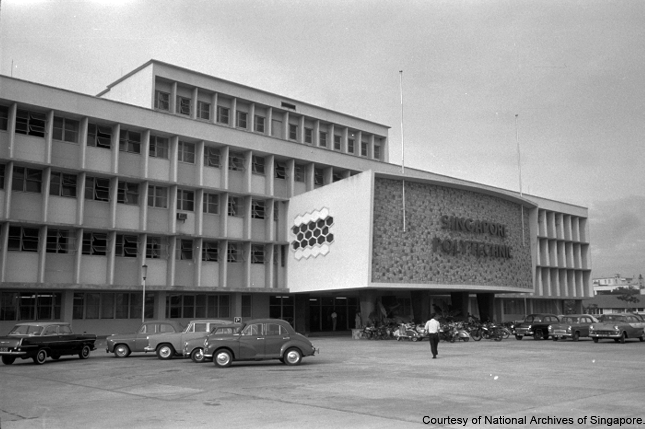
x=572 y=71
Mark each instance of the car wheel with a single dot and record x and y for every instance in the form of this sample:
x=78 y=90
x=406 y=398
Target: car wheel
x=415 y=339
x=576 y=336
x=40 y=357
x=8 y=360
x=537 y=335
x=518 y=337
x=197 y=355
x=595 y=340
x=555 y=338
x=223 y=358
x=622 y=338
x=165 y=351
x=292 y=356
x=85 y=352
x=641 y=338
x=121 y=351
x=505 y=333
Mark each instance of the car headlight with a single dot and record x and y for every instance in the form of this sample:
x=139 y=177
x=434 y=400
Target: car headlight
x=591 y=328
x=616 y=328
x=568 y=328
x=550 y=328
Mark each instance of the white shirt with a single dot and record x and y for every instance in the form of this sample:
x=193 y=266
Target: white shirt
x=432 y=326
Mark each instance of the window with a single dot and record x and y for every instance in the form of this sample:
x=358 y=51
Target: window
x=364 y=148
x=99 y=136
x=293 y=132
x=111 y=306
x=309 y=135
x=4 y=118
x=65 y=130
x=299 y=173
x=126 y=246
x=241 y=119
x=377 y=152
x=211 y=203
x=185 y=200
x=233 y=253
x=157 y=196
x=254 y=329
x=203 y=110
x=30 y=123
x=323 y=139
x=259 y=124
x=258 y=209
x=234 y=206
x=222 y=114
x=211 y=157
x=97 y=189
x=350 y=146
x=27 y=179
x=185 y=250
x=57 y=241
x=247 y=306
x=318 y=176
x=336 y=142
x=280 y=170
x=156 y=248
x=23 y=239
x=258 y=165
x=183 y=105
x=128 y=193
x=197 y=306
x=30 y=306
x=276 y=211
x=186 y=152
x=257 y=254
x=94 y=243
x=158 y=147
x=62 y=185
x=235 y=161
x=337 y=176
x=130 y=141
x=210 y=251
x=162 y=100
x=2 y=175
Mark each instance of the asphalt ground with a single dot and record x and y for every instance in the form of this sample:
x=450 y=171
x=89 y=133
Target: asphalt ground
x=352 y=383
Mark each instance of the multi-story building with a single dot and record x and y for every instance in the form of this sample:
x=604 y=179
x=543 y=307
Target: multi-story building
x=219 y=200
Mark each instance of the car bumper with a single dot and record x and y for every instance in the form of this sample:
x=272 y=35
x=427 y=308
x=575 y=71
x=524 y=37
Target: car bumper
x=605 y=334
x=523 y=331
x=12 y=353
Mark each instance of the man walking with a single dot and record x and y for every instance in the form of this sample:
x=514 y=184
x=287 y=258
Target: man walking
x=432 y=329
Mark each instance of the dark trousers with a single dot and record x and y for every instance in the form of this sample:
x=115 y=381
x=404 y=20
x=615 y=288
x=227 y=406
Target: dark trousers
x=434 y=342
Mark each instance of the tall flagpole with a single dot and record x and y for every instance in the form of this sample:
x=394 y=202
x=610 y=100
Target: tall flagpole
x=402 y=146
x=519 y=168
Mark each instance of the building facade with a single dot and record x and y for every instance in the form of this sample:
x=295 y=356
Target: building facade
x=235 y=202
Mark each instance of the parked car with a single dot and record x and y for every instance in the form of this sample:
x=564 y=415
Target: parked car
x=572 y=326
x=169 y=345
x=535 y=325
x=259 y=339
x=194 y=348
x=39 y=340
x=124 y=344
x=618 y=327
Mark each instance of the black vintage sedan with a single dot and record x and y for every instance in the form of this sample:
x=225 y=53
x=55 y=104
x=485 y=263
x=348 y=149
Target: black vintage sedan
x=39 y=340
x=258 y=339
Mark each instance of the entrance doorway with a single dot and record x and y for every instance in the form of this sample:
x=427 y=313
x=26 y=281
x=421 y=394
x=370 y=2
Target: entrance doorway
x=321 y=309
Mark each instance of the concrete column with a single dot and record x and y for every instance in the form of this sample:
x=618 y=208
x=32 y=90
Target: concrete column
x=459 y=302
x=485 y=302
x=367 y=303
x=302 y=314
x=420 y=305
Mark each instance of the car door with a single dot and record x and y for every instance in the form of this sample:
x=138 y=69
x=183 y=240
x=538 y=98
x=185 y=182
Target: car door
x=51 y=340
x=141 y=338
x=275 y=336
x=585 y=323
x=252 y=342
x=197 y=329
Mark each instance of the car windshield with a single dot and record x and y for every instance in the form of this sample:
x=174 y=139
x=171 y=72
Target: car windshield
x=570 y=320
x=26 y=330
x=609 y=318
x=531 y=319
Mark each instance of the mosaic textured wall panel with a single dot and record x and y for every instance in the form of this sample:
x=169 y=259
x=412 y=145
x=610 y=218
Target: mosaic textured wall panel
x=452 y=236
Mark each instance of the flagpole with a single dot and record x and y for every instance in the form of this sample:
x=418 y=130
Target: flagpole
x=402 y=147
x=519 y=168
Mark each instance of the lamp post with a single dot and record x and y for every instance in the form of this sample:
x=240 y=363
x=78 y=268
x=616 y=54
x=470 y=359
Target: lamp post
x=144 y=273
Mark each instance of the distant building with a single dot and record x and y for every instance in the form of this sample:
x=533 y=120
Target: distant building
x=605 y=304
x=608 y=284
x=244 y=203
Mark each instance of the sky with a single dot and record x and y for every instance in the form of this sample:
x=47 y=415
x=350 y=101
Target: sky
x=473 y=81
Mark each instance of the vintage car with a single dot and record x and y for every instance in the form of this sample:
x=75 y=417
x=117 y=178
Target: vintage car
x=535 y=325
x=572 y=326
x=39 y=340
x=259 y=339
x=124 y=344
x=617 y=326
x=194 y=348
x=169 y=345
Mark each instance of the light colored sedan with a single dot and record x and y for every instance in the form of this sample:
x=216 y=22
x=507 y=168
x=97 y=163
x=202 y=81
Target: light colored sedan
x=572 y=326
x=618 y=327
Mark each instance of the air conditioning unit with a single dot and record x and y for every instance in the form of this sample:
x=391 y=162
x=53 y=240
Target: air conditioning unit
x=182 y=216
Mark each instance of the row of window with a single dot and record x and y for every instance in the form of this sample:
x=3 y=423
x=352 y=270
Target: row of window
x=183 y=106
x=39 y=305
x=98 y=189
x=25 y=239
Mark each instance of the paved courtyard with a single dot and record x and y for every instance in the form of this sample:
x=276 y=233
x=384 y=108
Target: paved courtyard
x=352 y=383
